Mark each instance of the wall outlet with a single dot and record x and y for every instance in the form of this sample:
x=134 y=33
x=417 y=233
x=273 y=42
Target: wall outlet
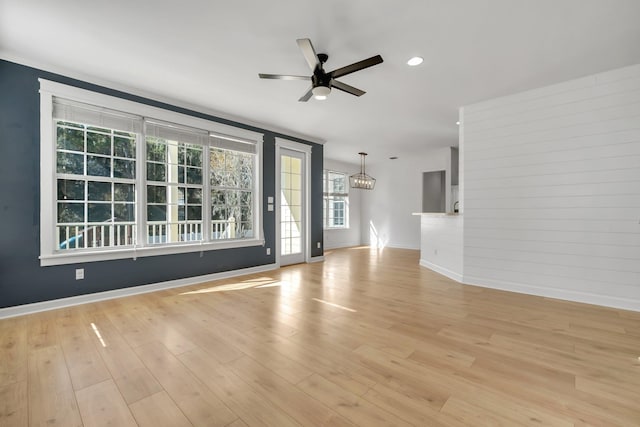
x=319 y=245
x=79 y=273
x=268 y=251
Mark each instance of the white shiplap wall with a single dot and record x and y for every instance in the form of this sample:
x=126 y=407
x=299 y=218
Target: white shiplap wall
x=552 y=190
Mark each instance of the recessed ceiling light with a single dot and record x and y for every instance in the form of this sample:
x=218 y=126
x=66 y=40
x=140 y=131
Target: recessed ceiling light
x=416 y=60
x=458 y=123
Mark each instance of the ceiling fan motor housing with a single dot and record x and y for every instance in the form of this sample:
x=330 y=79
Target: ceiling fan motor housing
x=320 y=77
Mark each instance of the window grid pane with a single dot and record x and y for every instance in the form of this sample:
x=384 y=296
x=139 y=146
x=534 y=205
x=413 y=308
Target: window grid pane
x=231 y=175
x=336 y=199
x=95 y=200
x=174 y=201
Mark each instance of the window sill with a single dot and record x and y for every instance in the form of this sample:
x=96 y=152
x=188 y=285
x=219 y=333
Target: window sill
x=336 y=228
x=111 y=254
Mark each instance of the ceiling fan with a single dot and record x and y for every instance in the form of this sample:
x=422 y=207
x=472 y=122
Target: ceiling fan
x=321 y=81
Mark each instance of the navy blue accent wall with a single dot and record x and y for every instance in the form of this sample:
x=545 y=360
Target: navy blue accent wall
x=23 y=280
x=317 y=226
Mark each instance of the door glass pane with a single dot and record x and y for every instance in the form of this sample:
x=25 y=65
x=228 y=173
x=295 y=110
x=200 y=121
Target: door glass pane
x=291 y=205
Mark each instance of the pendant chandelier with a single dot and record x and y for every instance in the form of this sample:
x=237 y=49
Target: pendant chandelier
x=362 y=180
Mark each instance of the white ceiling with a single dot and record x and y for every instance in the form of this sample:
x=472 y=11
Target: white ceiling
x=208 y=54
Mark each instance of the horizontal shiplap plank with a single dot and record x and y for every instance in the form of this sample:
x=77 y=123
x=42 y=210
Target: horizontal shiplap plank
x=574 y=202
x=623 y=189
x=620 y=241
x=609 y=82
x=583 y=102
x=521 y=147
x=567 y=158
x=630 y=216
x=550 y=225
x=587 y=257
x=599 y=127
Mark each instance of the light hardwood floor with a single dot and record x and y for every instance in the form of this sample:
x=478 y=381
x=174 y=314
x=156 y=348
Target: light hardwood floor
x=367 y=338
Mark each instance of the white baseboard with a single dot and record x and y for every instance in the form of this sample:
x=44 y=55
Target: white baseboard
x=118 y=293
x=316 y=259
x=563 y=294
x=444 y=271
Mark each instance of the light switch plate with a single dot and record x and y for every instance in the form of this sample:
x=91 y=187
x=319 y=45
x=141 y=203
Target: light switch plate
x=270 y=199
x=270 y=208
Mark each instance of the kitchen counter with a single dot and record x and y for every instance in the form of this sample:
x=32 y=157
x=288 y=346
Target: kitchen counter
x=441 y=243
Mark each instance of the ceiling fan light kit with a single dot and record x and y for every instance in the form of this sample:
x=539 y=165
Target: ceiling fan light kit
x=321 y=92
x=416 y=60
x=321 y=81
x=361 y=180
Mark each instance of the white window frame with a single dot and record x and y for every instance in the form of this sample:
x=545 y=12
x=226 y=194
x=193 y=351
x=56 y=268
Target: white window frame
x=49 y=255
x=325 y=195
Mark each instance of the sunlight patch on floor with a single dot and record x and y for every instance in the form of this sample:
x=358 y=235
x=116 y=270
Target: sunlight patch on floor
x=262 y=282
x=335 y=305
x=97 y=332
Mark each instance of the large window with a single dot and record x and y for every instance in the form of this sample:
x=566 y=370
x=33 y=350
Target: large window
x=133 y=180
x=336 y=199
x=95 y=171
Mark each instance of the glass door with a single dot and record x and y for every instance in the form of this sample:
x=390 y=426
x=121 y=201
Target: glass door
x=291 y=207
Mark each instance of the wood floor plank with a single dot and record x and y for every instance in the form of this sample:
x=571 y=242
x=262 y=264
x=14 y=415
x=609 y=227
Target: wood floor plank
x=132 y=377
x=78 y=342
x=51 y=397
x=196 y=401
x=41 y=329
x=158 y=410
x=354 y=408
x=234 y=392
x=410 y=408
x=238 y=423
x=102 y=405
x=469 y=414
x=13 y=404
x=615 y=392
x=13 y=350
x=302 y=407
x=329 y=361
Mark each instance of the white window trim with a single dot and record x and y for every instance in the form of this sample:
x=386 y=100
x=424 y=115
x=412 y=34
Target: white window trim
x=48 y=255
x=347 y=225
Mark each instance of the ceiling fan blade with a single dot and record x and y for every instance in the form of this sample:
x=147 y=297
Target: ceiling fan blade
x=307 y=95
x=309 y=53
x=357 y=66
x=282 y=77
x=347 y=88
